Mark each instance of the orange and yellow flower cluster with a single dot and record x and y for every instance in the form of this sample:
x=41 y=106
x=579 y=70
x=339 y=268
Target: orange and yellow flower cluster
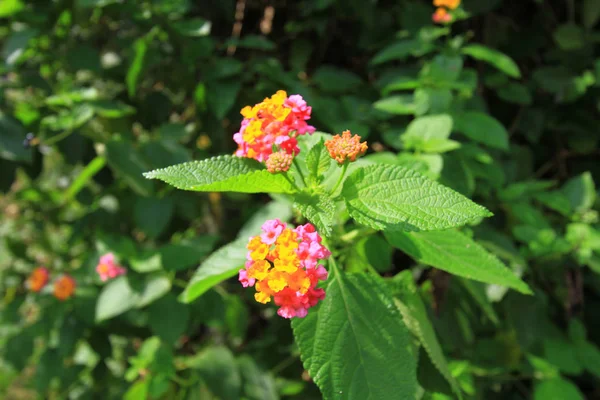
x=64 y=287
x=441 y=14
x=273 y=123
x=346 y=147
x=38 y=279
x=283 y=265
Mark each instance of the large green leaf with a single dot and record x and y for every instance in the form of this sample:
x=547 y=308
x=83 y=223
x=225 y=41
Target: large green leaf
x=318 y=209
x=222 y=264
x=580 y=191
x=391 y=197
x=124 y=159
x=222 y=174
x=482 y=128
x=116 y=298
x=557 y=389
x=168 y=318
x=218 y=369
x=356 y=346
x=493 y=57
x=415 y=315
x=458 y=254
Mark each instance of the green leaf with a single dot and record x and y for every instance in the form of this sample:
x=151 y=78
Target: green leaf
x=569 y=37
x=138 y=391
x=218 y=369
x=168 y=318
x=11 y=140
x=477 y=291
x=116 y=298
x=319 y=209
x=71 y=119
x=257 y=384
x=195 y=27
x=155 y=288
x=457 y=254
x=140 y=47
x=401 y=50
x=126 y=161
x=493 y=57
x=84 y=177
x=415 y=316
x=590 y=13
x=580 y=191
x=430 y=127
x=346 y=345
x=482 y=128
x=403 y=104
x=557 y=389
x=152 y=215
x=222 y=174
x=335 y=80
x=221 y=95
x=318 y=161
x=515 y=93
x=188 y=252
x=221 y=265
x=390 y=197
x=10 y=7
x=430 y=134
x=112 y=109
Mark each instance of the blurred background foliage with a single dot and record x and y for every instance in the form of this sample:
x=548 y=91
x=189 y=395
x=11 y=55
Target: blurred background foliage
x=95 y=92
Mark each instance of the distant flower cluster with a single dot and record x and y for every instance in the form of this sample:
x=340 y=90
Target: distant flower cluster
x=441 y=14
x=346 y=147
x=283 y=265
x=64 y=286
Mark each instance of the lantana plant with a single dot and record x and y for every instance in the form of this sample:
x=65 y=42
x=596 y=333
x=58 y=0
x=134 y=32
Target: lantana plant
x=339 y=313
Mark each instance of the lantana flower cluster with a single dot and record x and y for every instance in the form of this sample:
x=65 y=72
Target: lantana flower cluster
x=64 y=286
x=441 y=14
x=108 y=268
x=273 y=123
x=283 y=265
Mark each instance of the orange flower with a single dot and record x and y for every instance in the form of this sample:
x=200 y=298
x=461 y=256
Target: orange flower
x=450 y=4
x=441 y=16
x=38 y=279
x=64 y=287
x=346 y=147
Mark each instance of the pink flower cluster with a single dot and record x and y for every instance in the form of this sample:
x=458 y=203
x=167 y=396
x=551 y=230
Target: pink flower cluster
x=275 y=122
x=108 y=268
x=283 y=265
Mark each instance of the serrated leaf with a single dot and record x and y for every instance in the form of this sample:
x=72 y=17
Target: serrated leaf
x=222 y=174
x=482 y=128
x=390 y=197
x=356 y=346
x=456 y=253
x=415 y=316
x=493 y=57
x=318 y=209
x=222 y=264
x=318 y=161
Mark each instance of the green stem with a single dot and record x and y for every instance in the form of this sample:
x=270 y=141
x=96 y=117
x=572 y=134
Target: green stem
x=341 y=178
x=57 y=138
x=299 y=171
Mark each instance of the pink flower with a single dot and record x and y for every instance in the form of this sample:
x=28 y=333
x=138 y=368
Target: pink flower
x=244 y=280
x=271 y=231
x=107 y=267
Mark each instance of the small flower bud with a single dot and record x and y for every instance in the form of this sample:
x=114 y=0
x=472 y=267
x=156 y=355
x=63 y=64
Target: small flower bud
x=279 y=162
x=346 y=147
